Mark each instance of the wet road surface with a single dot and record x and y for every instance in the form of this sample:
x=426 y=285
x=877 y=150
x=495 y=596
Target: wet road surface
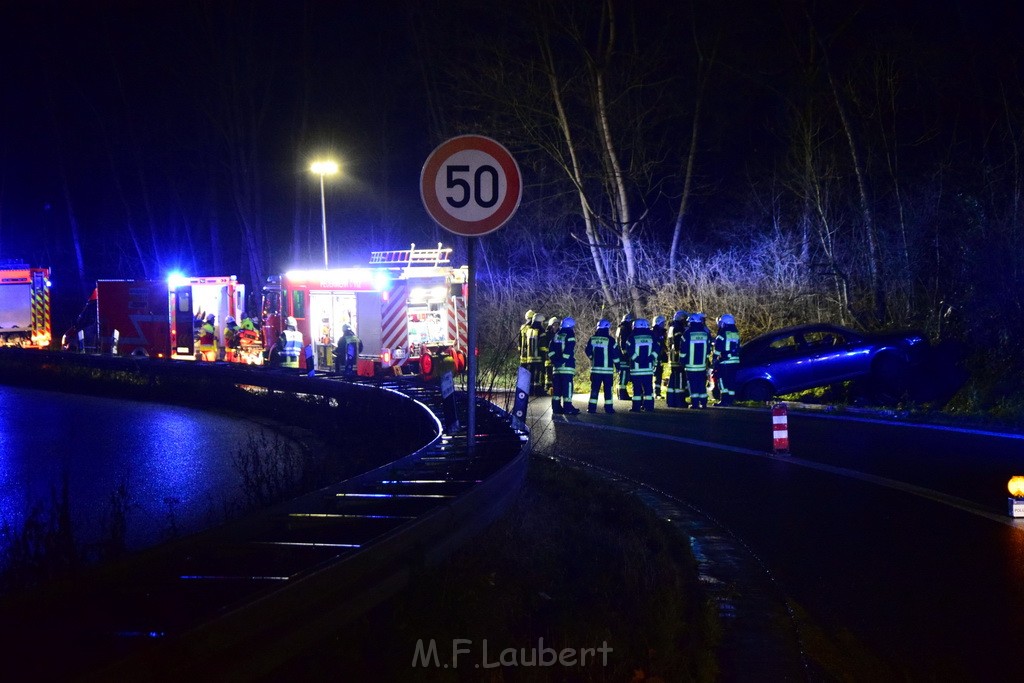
x=888 y=535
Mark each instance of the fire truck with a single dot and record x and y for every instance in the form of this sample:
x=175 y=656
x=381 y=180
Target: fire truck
x=160 y=318
x=24 y=305
x=408 y=308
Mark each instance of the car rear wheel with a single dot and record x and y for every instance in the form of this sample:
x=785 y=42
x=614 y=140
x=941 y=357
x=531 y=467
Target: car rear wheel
x=758 y=390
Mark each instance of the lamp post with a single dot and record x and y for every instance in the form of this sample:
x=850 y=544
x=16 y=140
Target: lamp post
x=324 y=168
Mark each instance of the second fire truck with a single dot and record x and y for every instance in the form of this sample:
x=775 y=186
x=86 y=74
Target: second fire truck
x=408 y=308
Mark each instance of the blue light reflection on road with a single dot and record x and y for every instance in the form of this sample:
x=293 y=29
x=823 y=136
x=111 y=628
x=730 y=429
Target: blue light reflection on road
x=175 y=462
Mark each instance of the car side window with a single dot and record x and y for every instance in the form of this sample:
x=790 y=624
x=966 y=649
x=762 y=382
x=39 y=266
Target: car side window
x=820 y=339
x=783 y=346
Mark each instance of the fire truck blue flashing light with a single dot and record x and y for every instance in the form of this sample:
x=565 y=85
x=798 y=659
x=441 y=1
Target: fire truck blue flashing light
x=381 y=281
x=176 y=279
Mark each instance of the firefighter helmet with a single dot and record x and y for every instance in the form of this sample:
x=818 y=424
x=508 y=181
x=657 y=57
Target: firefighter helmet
x=659 y=320
x=568 y=322
x=641 y=324
x=680 y=315
x=603 y=324
x=727 y=319
x=529 y=315
x=290 y=322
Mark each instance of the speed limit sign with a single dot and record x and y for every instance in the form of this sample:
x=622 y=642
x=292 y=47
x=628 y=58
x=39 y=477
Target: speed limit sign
x=471 y=185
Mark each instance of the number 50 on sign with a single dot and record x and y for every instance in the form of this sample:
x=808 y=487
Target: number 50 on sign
x=471 y=185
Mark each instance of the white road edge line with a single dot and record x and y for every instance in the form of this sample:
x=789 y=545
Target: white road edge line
x=920 y=491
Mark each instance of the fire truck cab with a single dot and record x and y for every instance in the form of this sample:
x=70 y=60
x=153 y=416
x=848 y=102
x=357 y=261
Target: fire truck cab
x=407 y=307
x=24 y=305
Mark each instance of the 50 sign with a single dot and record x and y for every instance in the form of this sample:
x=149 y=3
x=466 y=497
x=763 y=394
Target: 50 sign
x=471 y=185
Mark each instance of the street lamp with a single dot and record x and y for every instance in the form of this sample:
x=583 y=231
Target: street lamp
x=324 y=168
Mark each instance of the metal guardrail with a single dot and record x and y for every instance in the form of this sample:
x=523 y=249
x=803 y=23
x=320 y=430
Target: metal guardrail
x=245 y=597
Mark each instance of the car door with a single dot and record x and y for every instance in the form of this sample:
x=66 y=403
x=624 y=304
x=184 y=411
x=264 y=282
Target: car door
x=785 y=363
x=834 y=356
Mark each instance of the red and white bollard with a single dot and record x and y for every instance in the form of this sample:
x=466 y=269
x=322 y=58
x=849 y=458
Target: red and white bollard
x=780 y=429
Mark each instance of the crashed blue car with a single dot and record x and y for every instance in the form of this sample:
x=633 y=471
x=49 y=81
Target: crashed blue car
x=802 y=357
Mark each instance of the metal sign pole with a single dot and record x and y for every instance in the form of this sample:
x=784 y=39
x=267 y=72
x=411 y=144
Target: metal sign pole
x=471 y=343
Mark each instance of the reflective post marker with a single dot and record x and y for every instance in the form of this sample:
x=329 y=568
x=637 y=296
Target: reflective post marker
x=780 y=429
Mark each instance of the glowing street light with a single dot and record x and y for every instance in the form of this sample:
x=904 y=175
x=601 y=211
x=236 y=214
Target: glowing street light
x=323 y=168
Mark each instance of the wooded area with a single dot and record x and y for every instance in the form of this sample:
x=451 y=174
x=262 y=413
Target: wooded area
x=785 y=162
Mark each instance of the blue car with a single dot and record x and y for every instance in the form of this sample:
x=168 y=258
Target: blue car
x=803 y=357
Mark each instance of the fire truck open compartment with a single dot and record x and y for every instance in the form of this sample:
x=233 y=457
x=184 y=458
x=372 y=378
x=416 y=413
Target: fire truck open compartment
x=15 y=314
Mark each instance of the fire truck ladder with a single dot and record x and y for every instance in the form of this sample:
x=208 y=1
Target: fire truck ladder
x=413 y=257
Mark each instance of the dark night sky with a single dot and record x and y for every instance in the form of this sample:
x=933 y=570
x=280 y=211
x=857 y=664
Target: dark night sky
x=114 y=113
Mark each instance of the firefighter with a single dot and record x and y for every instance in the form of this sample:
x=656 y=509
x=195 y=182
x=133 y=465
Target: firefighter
x=642 y=353
x=622 y=335
x=529 y=351
x=347 y=352
x=658 y=332
x=550 y=330
x=289 y=344
x=675 y=391
x=563 y=356
x=603 y=353
x=726 y=358
x=232 y=339
x=696 y=344
x=208 y=339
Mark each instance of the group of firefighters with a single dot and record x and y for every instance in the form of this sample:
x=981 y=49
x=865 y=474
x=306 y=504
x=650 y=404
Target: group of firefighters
x=237 y=337
x=638 y=352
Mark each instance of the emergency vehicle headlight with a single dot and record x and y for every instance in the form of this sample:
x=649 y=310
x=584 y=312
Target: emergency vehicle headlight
x=1016 y=486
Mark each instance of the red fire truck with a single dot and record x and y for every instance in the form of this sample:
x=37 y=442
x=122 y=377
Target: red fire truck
x=158 y=318
x=408 y=308
x=24 y=305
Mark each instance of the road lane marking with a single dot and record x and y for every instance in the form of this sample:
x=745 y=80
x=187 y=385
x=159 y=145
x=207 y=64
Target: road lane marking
x=920 y=491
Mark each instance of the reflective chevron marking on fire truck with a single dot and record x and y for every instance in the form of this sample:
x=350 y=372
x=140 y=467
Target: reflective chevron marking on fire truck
x=458 y=329
x=395 y=332
x=40 y=308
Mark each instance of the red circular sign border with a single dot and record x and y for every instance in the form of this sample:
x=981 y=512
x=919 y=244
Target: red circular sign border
x=513 y=185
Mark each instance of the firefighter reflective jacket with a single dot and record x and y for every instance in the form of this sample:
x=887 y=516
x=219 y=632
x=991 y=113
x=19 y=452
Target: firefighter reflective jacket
x=603 y=353
x=641 y=352
x=207 y=338
x=349 y=347
x=727 y=345
x=695 y=348
x=563 y=351
x=232 y=337
x=674 y=343
x=529 y=343
x=291 y=348
x=622 y=335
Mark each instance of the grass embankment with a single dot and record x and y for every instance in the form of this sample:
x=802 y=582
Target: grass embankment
x=575 y=563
